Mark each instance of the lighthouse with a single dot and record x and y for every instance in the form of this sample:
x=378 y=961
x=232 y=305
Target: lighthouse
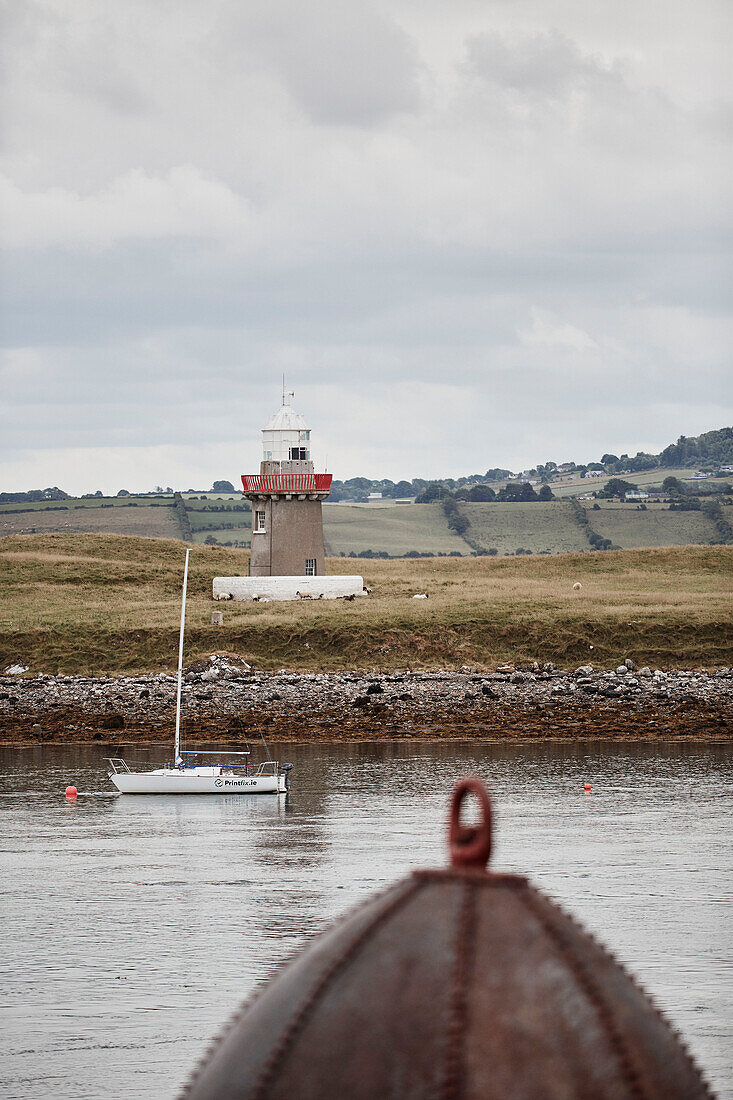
x=286 y=496
x=286 y=560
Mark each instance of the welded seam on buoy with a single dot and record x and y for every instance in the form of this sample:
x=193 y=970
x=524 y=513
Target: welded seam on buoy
x=297 y=1021
x=247 y=1005
x=692 y=1065
x=451 y=1085
x=630 y=1069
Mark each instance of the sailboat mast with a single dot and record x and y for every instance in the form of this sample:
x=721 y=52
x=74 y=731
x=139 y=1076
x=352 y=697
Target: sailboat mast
x=180 y=662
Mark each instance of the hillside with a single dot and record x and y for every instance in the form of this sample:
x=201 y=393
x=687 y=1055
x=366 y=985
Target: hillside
x=105 y=603
x=223 y=515
x=395 y=529
x=384 y=528
x=548 y=528
x=152 y=520
x=627 y=526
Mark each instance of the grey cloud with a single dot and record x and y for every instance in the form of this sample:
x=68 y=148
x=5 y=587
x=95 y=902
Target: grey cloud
x=95 y=73
x=232 y=190
x=344 y=64
x=427 y=294
x=544 y=64
x=500 y=401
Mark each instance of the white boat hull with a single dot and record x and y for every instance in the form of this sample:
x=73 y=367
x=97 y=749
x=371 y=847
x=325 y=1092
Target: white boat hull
x=187 y=776
x=173 y=781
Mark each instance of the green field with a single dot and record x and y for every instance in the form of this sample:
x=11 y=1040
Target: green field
x=224 y=536
x=395 y=528
x=106 y=603
x=540 y=527
x=223 y=516
x=537 y=527
x=88 y=502
x=627 y=526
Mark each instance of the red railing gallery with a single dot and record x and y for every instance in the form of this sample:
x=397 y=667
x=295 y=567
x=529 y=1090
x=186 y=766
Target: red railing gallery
x=286 y=483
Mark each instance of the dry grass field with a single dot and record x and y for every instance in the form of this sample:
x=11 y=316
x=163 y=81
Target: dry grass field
x=146 y=520
x=106 y=603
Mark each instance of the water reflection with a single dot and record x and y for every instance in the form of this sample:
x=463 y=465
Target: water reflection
x=135 y=925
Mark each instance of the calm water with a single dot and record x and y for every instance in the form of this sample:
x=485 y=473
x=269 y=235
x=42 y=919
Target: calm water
x=135 y=925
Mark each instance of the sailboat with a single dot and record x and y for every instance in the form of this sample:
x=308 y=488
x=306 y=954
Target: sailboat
x=191 y=772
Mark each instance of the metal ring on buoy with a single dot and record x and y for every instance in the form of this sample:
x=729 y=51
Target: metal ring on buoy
x=470 y=845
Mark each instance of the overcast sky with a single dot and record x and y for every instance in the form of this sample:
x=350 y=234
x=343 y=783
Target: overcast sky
x=471 y=234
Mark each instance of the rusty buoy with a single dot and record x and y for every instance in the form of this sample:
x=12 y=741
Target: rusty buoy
x=455 y=983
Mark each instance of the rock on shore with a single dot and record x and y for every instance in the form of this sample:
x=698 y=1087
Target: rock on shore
x=223 y=698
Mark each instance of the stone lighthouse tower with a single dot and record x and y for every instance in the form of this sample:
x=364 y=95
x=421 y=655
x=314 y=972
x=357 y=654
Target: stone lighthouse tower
x=286 y=495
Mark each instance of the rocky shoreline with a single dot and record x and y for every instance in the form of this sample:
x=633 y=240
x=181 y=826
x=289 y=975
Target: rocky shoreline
x=225 y=699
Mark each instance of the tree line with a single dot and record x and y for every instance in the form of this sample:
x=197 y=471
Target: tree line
x=711 y=450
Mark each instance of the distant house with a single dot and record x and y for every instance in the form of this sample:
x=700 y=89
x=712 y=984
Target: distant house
x=374 y=496
x=636 y=494
x=404 y=500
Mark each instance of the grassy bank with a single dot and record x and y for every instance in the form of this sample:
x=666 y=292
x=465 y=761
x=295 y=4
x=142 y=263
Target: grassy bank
x=106 y=603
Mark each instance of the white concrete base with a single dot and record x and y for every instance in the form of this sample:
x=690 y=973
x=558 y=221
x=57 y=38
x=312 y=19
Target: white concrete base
x=287 y=588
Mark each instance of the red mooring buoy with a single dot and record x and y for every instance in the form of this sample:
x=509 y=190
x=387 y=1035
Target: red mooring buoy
x=586 y=788
x=71 y=792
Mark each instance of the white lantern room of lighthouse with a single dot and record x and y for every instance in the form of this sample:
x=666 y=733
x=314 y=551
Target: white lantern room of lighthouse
x=286 y=442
